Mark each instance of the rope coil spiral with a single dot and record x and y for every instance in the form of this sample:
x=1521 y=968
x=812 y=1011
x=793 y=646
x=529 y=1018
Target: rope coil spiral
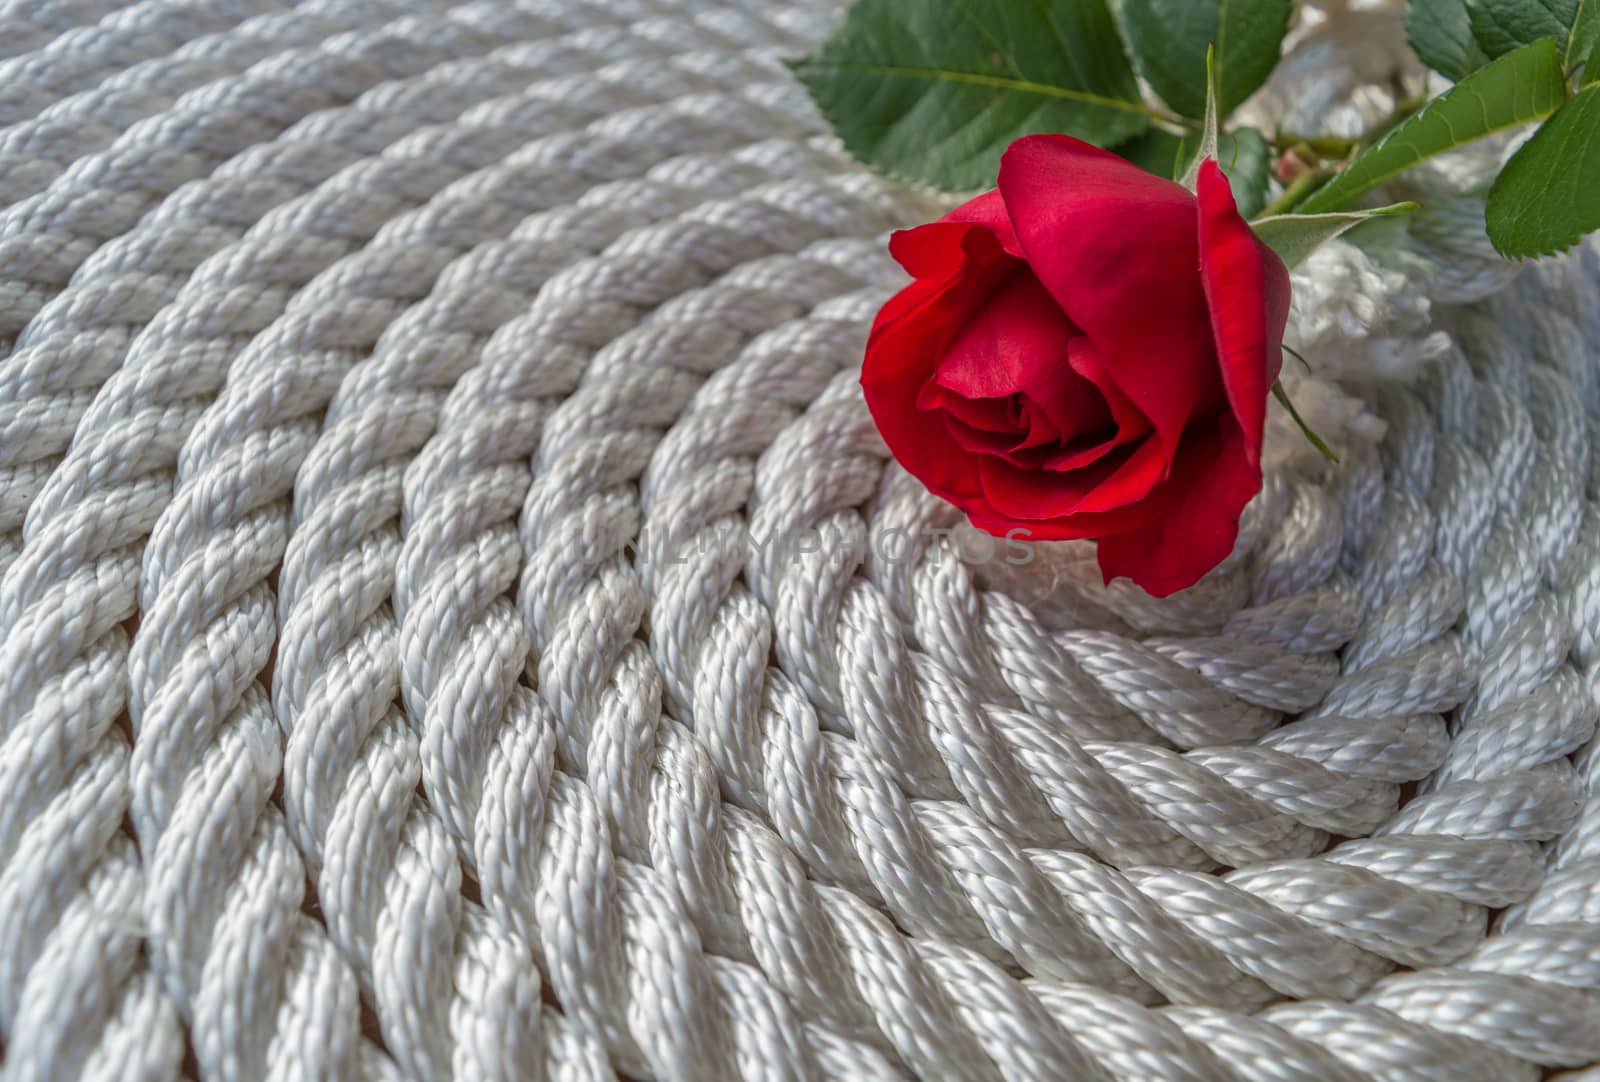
x=409 y=669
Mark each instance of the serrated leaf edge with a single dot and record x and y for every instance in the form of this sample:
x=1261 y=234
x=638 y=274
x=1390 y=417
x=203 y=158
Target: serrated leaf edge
x=1496 y=193
x=1415 y=118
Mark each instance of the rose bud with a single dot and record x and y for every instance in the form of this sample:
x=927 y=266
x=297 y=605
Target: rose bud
x=1086 y=352
x=1293 y=164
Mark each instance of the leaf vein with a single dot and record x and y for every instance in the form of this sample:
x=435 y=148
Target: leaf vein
x=1021 y=86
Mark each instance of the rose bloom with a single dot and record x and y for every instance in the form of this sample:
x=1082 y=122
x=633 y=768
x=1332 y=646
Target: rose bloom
x=1086 y=353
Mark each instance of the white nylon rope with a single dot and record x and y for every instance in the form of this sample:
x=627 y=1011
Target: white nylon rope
x=76 y=338
x=47 y=133
x=462 y=383
x=29 y=26
x=213 y=300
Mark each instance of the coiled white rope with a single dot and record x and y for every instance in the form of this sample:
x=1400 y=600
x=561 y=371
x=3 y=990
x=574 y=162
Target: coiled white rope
x=408 y=667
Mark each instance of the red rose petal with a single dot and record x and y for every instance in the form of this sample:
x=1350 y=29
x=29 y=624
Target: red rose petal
x=1118 y=248
x=1042 y=429
x=1078 y=453
x=989 y=211
x=1148 y=466
x=992 y=415
x=1199 y=507
x=1029 y=493
x=964 y=265
x=1130 y=423
x=1247 y=292
x=1109 y=478
x=980 y=441
x=1018 y=343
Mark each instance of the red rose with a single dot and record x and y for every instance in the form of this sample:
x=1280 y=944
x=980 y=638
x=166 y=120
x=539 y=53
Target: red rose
x=1086 y=353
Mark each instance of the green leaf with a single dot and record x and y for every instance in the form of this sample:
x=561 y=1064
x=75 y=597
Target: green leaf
x=1441 y=33
x=932 y=91
x=1244 y=155
x=1296 y=236
x=1523 y=85
x=1156 y=151
x=1583 y=45
x=1169 y=39
x=1548 y=195
x=1503 y=25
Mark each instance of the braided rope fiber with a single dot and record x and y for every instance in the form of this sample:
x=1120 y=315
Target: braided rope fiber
x=457 y=619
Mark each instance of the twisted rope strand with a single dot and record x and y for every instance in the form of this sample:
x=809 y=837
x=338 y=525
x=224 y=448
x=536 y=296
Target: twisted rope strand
x=479 y=378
